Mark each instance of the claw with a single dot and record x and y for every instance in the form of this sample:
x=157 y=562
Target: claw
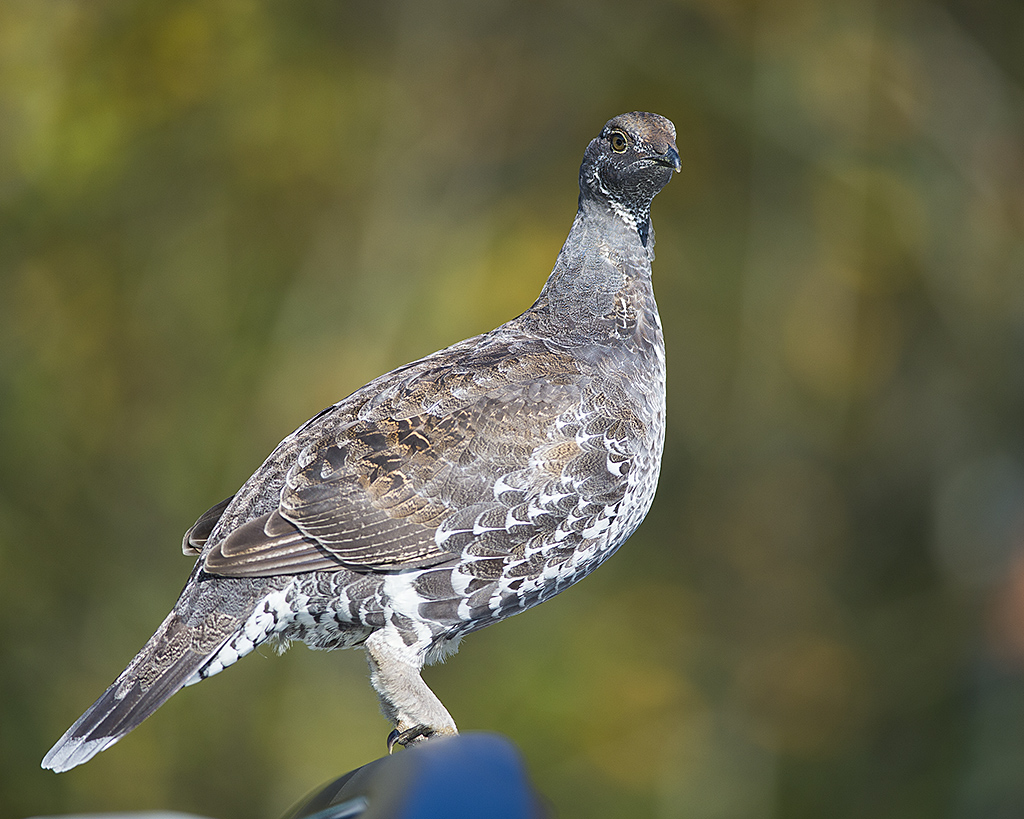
x=408 y=736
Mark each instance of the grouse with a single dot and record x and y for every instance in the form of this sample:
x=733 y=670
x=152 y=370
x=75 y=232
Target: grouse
x=448 y=494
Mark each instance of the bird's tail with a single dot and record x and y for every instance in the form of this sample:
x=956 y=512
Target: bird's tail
x=163 y=666
x=181 y=651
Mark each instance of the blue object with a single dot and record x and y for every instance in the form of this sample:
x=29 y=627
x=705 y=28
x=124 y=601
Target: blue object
x=470 y=775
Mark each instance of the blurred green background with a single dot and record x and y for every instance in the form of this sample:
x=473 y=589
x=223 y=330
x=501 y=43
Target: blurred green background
x=217 y=218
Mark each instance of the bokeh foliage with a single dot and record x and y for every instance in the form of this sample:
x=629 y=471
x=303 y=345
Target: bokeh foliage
x=217 y=218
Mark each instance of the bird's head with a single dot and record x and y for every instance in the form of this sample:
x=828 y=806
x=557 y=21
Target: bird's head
x=628 y=163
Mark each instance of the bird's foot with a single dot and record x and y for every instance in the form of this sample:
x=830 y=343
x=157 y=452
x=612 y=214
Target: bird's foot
x=417 y=733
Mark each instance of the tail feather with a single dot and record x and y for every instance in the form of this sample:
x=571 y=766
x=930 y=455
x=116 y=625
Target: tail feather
x=166 y=663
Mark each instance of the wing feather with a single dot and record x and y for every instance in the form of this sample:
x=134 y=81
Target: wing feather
x=374 y=480
x=195 y=538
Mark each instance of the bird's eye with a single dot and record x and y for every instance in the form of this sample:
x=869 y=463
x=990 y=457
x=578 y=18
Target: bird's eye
x=617 y=140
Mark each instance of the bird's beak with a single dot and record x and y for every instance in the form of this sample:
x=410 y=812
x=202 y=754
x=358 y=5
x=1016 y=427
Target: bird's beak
x=670 y=159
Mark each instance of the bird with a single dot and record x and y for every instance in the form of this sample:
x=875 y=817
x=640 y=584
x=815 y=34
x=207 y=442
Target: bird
x=447 y=494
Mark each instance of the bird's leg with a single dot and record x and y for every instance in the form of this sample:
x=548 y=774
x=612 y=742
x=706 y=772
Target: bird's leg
x=404 y=698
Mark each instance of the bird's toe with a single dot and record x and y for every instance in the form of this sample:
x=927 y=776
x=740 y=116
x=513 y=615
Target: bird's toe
x=417 y=733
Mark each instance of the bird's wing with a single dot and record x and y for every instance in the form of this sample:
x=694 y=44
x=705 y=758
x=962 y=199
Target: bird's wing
x=195 y=538
x=369 y=490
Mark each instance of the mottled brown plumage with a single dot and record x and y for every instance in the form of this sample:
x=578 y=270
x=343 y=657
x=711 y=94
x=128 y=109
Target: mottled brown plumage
x=447 y=494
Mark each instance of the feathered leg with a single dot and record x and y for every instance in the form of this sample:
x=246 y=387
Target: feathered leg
x=404 y=698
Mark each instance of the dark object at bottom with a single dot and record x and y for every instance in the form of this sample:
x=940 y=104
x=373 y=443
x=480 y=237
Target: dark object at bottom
x=470 y=775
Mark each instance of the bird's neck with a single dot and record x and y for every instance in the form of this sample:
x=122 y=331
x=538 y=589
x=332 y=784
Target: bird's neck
x=602 y=263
